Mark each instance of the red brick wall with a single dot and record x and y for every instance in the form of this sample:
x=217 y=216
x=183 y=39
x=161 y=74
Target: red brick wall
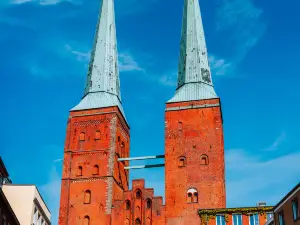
x=154 y=215
x=192 y=133
x=108 y=185
x=287 y=210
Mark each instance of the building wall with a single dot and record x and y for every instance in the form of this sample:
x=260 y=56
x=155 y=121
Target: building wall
x=286 y=208
x=21 y=200
x=194 y=135
x=24 y=199
x=138 y=204
x=106 y=138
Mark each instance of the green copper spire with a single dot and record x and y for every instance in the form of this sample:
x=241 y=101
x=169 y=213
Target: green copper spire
x=194 y=75
x=103 y=82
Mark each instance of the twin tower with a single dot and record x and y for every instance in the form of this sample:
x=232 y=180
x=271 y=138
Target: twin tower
x=95 y=185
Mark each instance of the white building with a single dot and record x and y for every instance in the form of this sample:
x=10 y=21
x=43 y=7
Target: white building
x=27 y=203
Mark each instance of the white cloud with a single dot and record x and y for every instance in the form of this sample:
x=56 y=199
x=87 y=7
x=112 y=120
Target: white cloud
x=128 y=63
x=168 y=80
x=254 y=178
x=219 y=66
x=242 y=20
x=80 y=56
x=51 y=192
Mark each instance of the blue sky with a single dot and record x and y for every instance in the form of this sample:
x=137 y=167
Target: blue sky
x=254 y=53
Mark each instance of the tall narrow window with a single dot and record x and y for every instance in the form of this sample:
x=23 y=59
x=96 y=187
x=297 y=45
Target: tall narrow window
x=82 y=136
x=254 y=219
x=137 y=221
x=97 y=135
x=149 y=204
x=86 y=220
x=220 y=220
x=181 y=161
x=96 y=170
x=204 y=159
x=195 y=197
x=295 y=207
x=189 y=197
x=127 y=205
x=237 y=219
x=87 y=197
x=138 y=194
x=281 y=218
x=79 y=171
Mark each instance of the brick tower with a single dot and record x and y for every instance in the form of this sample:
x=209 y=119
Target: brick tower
x=97 y=135
x=194 y=149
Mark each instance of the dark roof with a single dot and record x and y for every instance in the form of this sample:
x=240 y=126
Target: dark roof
x=2 y=195
x=287 y=196
x=2 y=167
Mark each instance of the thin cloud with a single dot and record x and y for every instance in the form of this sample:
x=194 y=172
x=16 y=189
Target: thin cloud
x=128 y=63
x=219 y=66
x=243 y=21
x=251 y=176
x=277 y=143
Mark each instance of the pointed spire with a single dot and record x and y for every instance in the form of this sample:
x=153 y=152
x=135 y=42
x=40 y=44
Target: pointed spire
x=194 y=76
x=103 y=82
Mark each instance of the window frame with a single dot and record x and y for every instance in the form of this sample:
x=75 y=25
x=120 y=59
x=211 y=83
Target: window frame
x=295 y=200
x=252 y=214
x=237 y=214
x=218 y=216
x=281 y=213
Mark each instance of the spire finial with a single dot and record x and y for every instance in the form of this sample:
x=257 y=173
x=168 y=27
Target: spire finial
x=194 y=76
x=103 y=83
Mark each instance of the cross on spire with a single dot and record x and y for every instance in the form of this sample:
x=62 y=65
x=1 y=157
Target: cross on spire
x=103 y=83
x=194 y=75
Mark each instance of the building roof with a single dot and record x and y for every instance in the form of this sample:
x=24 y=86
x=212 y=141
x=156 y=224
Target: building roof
x=287 y=197
x=194 y=75
x=3 y=168
x=103 y=83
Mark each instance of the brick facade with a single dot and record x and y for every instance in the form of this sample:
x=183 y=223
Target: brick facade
x=194 y=160
x=288 y=208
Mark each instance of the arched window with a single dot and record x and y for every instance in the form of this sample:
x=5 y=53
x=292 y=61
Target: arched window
x=138 y=194
x=98 y=135
x=204 y=159
x=86 y=220
x=82 y=136
x=148 y=204
x=127 y=205
x=96 y=170
x=87 y=197
x=79 y=171
x=192 y=195
x=182 y=161
x=137 y=221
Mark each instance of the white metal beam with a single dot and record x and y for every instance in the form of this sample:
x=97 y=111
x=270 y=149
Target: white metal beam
x=144 y=166
x=142 y=158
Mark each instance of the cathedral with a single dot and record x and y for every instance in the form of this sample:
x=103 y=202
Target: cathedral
x=95 y=179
